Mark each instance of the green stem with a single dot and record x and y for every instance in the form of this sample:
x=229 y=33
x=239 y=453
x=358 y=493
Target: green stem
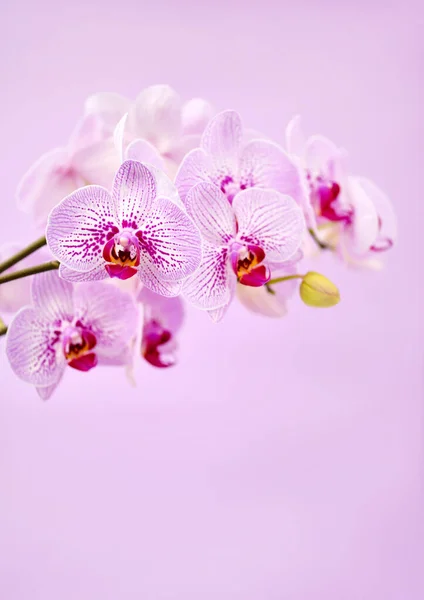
x=318 y=242
x=6 y=264
x=286 y=278
x=48 y=266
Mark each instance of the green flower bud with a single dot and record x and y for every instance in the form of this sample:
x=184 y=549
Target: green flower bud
x=316 y=290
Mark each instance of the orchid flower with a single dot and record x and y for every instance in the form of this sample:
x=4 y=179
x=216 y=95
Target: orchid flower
x=78 y=327
x=267 y=300
x=89 y=158
x=159 y=129
x=260 y=231
x=233 y=164
x=163 y=318
x=131 y=231
x=351 y=213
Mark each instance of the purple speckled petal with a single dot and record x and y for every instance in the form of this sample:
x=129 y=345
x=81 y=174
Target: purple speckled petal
x=45 y=184
x=222 y=139
x=211 y=286
x=155 y=282
x=196 y=167
x=212 y=213
x=77 y=228
x=169 y=312
x=218 y=314
x=97 y=274
x=170 y=241
x=270 y=220
x=265 y=164
x=144 y=152
x=109 y=313
x=31 y=348
x=134 y=191
x=45 y=392
x=52 y=296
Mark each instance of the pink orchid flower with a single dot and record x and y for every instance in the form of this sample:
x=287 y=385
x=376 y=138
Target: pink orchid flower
x=78 y=327
x=233 y=164
x=131 y=231
x=163 y=318
x=270 y=301
x=350 y=213
x=159 y=129
x=89 y=158
x=260 y=231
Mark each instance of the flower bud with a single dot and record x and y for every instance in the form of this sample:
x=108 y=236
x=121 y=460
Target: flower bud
x=317 y=290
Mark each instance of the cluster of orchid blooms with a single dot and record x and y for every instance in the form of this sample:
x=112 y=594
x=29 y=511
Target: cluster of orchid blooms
x=154 y=203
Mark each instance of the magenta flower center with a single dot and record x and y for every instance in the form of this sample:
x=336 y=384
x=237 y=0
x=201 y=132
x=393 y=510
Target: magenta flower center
x=324 y=195
x=154 y=338
x=230 y=187
x=122 y=253
x=77 y=345
x=247 y=263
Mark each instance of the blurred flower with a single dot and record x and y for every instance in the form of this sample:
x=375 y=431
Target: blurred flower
x=227 y=160
x=131 y=231
x=163 y=318
x=90 y=157
x=159 y=129
x=349 y=213
x=77 y=327
x=318 y=291
x=262 y=229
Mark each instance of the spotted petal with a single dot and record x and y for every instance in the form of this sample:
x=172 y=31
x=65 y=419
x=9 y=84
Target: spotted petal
x=110 y=314
x=267 y=165
x=52 y=296
x=170 y=241
x=154 y=281
x=221 y=140
x=212 y=285
x=270 y=220
x=31 y=349
x=212 y=213
x=97 y=274
x=78 y=226
x=195 y=168
x=134 y=190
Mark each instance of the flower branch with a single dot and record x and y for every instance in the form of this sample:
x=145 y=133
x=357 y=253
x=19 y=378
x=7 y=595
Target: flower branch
x=47 y=266
x=30 y=249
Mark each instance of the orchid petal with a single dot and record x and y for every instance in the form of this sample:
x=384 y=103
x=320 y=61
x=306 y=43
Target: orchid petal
x=119 y=136
x=165 y=188
x=109 y=313
x=319 y=152
x=212 y=285
x=154 y=281
x=361 y=234
x=195 y=115
x=97 y=163
x=384 y=208
x=222 y=139
x=270 y=220
x=212 y=213
x=218 y=313
x=195 y=168
x=45 y=392
x=52 y=296
x=78 y=226
x=144 y=152
x=295 y=139
x=97 y=274
x=30 y=348
x=134 y=190
x=267 y=165
x=169 y=312
x=109 y=105
x=170 y=241
x=156 y=116
x=45 y=184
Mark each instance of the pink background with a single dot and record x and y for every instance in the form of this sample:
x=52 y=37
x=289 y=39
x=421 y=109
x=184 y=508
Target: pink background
x=281 y=460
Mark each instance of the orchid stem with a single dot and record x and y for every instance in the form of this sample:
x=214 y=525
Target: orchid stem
x=6 y=264
x=48 y=266
x=318 y=242
x=286 y=278
x=3 y=328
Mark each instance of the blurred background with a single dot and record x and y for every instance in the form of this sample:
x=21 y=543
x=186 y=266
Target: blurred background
x=280 y=460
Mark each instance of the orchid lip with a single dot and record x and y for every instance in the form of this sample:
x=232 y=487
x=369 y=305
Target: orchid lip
x=122 y=251
x=247 y=263
x=78 y=343
x=154 y=338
